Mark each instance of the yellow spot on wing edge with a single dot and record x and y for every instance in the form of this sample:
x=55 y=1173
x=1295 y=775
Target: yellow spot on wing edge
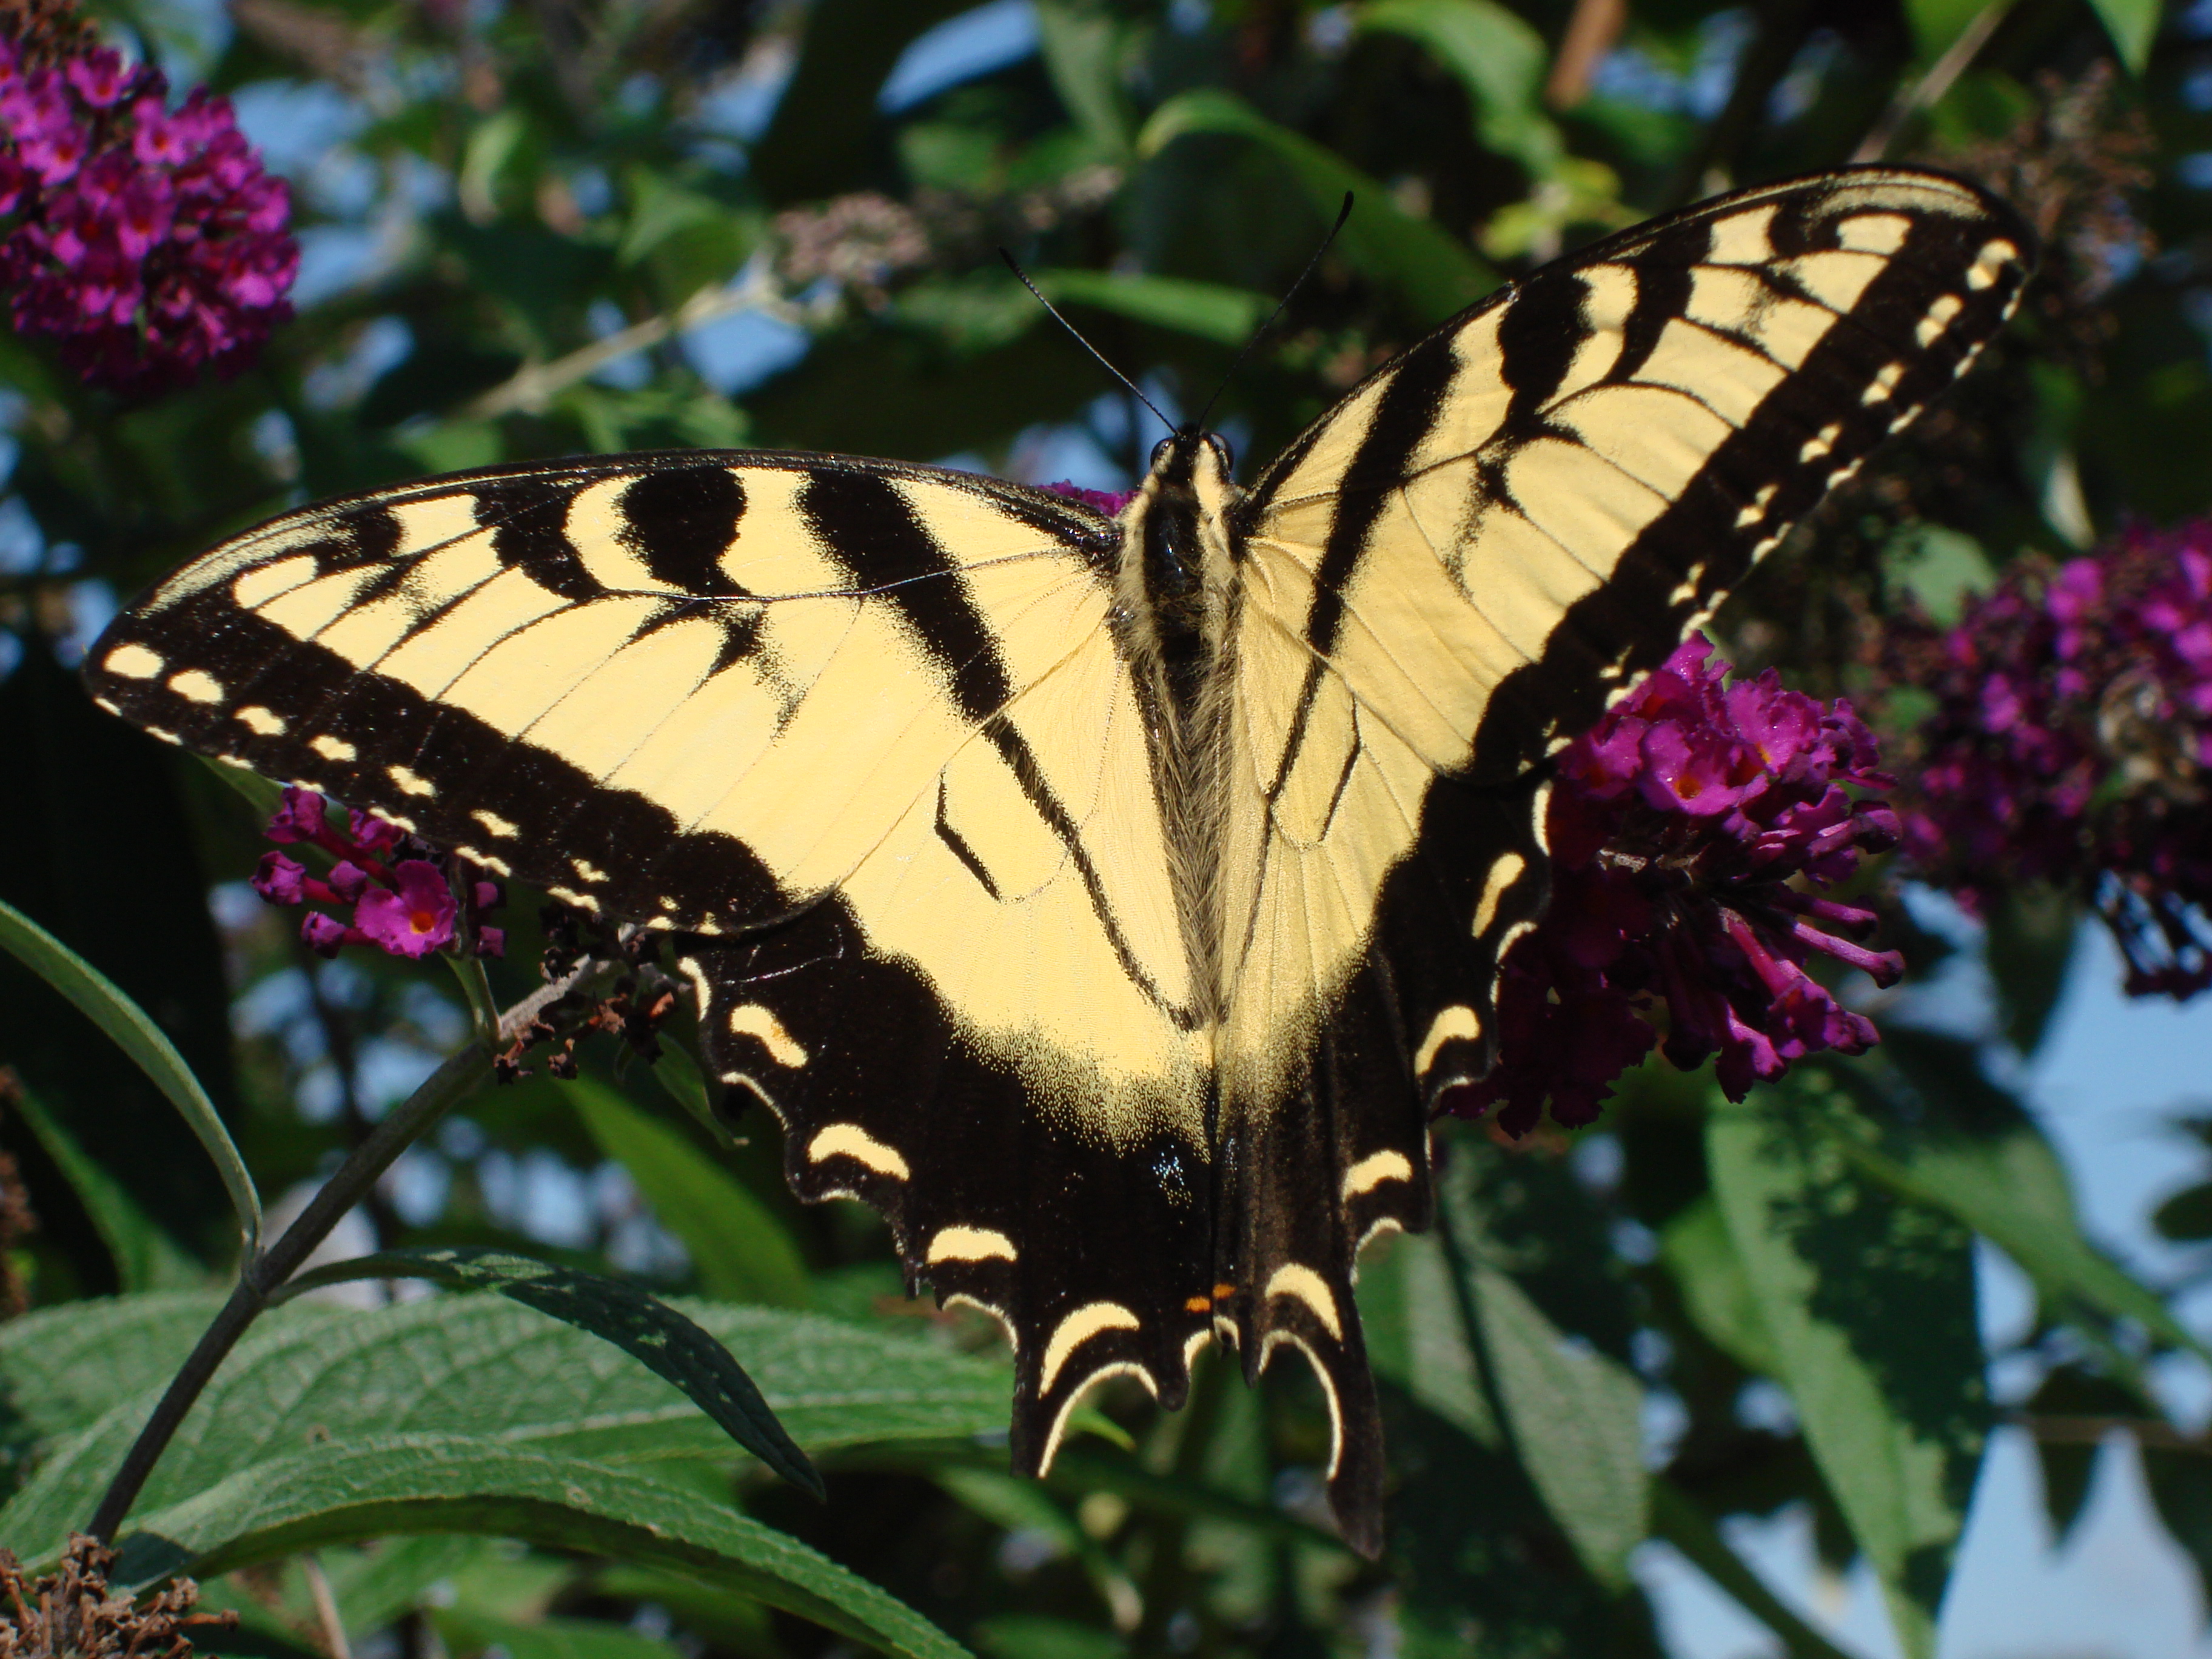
x=1078 y=1328
x=1457 y=1021
x=197 y=685
x=1993 y=258
x=498 y=825
x=1374 y=1170
x=851 y=1140
x=1327 y=1389
x=1946 y=306
x=134 y=662
x=1301 y=1283
x=971 y=1244
x=262 y=722
x=1502 y=874
x=1119 y=1368
x=330 y=748
x=755 y=1019
x=409 y=782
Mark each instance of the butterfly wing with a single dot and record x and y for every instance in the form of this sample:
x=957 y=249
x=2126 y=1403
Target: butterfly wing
x=1446 y=578
x=859 y=736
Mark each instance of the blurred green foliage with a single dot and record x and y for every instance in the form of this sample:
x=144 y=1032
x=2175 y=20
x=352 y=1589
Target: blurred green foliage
x=536 y=227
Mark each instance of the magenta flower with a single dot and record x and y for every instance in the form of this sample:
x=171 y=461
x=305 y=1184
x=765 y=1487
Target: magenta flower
x=406 y=908
x=1689 y=829
x=1108 y=501
x=2070 y=744
x=148 y=242
x=415 y=915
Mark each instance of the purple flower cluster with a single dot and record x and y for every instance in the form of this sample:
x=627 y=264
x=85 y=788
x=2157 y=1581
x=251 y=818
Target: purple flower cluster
x=2070 y=739
x=1108 y=501
x=1690 y=829
x=404 y=905
x=148 y=241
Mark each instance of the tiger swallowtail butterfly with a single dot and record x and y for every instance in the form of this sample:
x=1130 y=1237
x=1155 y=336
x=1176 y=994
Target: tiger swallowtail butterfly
x=1106 y=901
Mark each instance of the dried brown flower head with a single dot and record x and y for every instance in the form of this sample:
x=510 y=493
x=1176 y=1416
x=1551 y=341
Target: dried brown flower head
x=72 y=1613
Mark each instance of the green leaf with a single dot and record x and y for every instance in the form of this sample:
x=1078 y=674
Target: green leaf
x=741 y=1251
x=145 y=1043
x=1937 y=23
x=63 y=1368
x=638 y=1323
x=2185 y=1218
x=1575 y=1416
x=1577 y=1420
x=1435 y=273
x=1870 y=1306
x=489 y=1369
x=146 y=1258
x=1699 y=1254
x=1416 y=1337
x=1208 y=310
x=1497 y=56
x=263 y=795
x=2133 y=25
x=1082 y=54
x=1992 y=1167
x=1940 y=567
x=678 y=1073
x=466 y=1632
x=2029 y=946
x=338 y=1493
x=1032 y=1636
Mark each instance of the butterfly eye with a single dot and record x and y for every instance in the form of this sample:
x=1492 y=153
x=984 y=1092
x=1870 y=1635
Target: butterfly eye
x=1222 y=449
x=1160 y=450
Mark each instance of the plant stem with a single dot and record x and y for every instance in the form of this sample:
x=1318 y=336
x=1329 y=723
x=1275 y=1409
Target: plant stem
x=1928 y=91
x=400 y=1128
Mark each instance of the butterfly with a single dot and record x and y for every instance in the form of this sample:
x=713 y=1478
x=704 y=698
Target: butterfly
x=1107 y=900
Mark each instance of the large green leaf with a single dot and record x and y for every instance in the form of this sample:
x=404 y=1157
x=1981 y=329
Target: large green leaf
x=1869 y=1303
x=1718 y=1294
x=342 y=1493
x=1082 y=53
x=145 y=1043
x=635 y=1321
x=1208 y=310
x=1433 y=271
x=1577 y=1419
x=741 y=1251
x=63 y=1368
x=146 y=1258
x=1983 y=1159
x=467 y=1632
x=489 y=1369
x=1575 y=1416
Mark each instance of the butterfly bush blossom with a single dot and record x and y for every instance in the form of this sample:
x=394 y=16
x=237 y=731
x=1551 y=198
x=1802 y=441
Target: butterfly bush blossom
x=148 y=241
x=1691 y=831
x=2071 y=735
x=1108 y=501
x=397 y=889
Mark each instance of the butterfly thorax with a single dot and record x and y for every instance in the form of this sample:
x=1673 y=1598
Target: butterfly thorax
x=1177 y=588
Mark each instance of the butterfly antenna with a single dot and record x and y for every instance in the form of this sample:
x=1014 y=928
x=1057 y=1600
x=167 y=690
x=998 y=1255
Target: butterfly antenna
x=1290 y=294
x=1086 y=344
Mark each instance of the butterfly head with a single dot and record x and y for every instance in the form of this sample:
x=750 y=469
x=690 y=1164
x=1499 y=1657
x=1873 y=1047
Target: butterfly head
x=1178 y=521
